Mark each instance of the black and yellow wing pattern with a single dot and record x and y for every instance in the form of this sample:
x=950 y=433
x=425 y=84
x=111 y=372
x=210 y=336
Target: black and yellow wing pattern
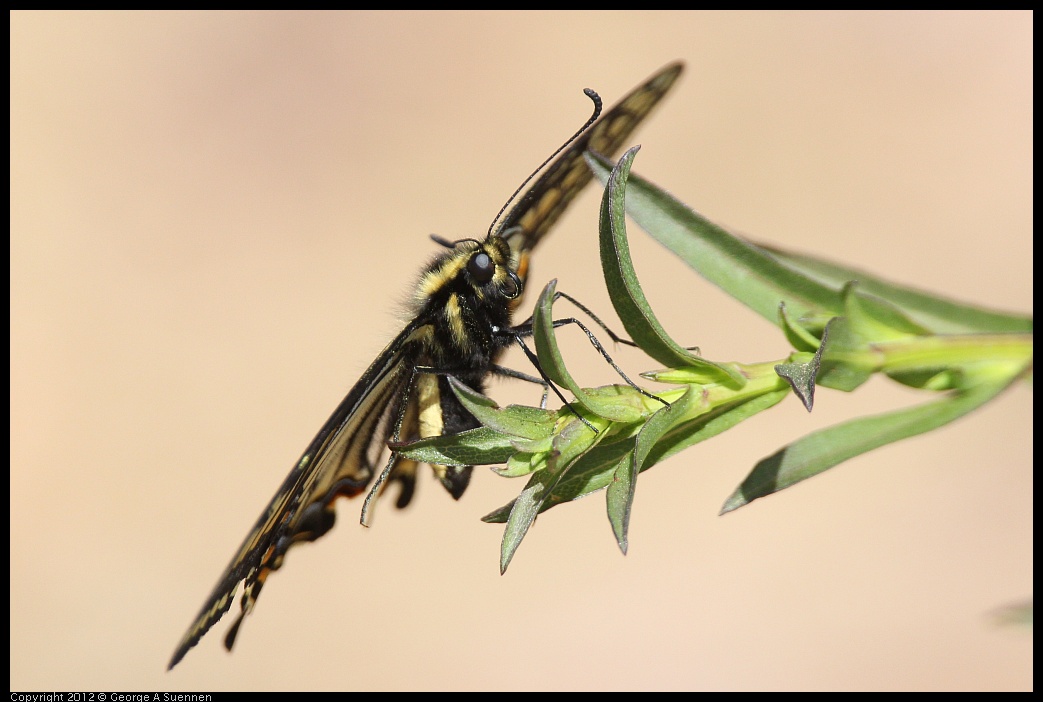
x=461 y=324
x=540 y=207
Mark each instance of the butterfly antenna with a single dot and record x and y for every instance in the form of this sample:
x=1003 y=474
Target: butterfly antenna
x=596 y=99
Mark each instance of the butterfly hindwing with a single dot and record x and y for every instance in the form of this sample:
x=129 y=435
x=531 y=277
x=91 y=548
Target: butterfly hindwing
x=339 y=461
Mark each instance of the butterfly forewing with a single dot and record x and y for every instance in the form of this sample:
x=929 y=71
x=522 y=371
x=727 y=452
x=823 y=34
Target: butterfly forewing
x=539 y=208
x=346 y=455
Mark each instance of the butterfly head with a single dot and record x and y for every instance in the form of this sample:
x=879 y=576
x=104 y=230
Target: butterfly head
x=478 y=272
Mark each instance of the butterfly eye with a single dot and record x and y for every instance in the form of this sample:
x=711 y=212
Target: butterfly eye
x=481 y=267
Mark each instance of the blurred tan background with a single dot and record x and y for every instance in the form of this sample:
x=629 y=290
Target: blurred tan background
x=216 y=217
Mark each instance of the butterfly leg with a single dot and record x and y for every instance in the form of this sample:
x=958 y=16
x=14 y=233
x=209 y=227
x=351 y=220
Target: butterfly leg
x=518 y=375
x=393 y=458
x=608 y=330
x=536 y=362
x=525 y=329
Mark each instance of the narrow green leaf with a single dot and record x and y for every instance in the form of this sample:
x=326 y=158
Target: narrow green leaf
x=761 y=278
x=474 y=447
x=573 y=441
x=801 y=375
x=743 y=270
x=877 y=320
x=955 y=361
x=500 y=514
x=540 y=445
x=637 y=404
x=709 y=424
x=515 y=420
x=525 y=508
x=619 y=497
x=625 y=290
x=824 y=449
x=940 y=315
x=800 y=337
x=604 y=453
x=846 y=359
x=624 y=479
x=554 y=365
x=592 y=472
x=521 y=464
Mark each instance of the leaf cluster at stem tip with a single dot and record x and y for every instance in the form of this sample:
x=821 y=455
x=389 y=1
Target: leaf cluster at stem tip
x=843 y=326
